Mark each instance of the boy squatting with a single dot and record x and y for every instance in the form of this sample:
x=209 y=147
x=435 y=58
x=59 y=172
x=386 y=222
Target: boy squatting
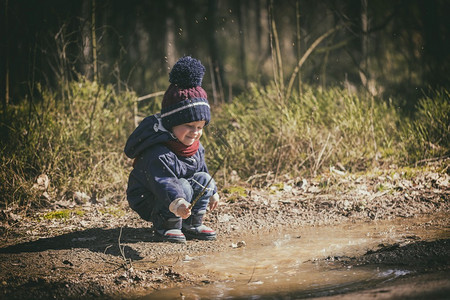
x=169 y=166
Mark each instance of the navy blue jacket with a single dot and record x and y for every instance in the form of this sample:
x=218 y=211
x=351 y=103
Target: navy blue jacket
x=156 y=168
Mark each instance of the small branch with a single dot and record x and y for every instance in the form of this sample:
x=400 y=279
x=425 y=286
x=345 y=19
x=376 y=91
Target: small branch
x=152 y=95
x=379 y=194
x=431 y=159
x=106 y=249
x=278 y=52
x=305 y=56
x=253 y=272
x=339 y=45
x=135 y=104
x=122 y=252
x=209 y=181
x=256 y=176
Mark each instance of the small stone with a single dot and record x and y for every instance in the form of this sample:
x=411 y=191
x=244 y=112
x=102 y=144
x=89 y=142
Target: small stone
x=241 y=244
x=187 y=258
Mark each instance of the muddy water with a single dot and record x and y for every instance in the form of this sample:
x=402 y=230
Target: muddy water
x=302 y=263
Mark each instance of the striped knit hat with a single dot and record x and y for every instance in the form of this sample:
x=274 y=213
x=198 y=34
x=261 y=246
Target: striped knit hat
x=185 y=100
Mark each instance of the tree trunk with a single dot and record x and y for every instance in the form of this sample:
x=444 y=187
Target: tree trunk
x=435 y=48
x=299 y=52
x=94 y=42
x=6 y=99
x=216 y=62
x=364 y=65
x=170 y=36
x=242 y=34
x=86 y=39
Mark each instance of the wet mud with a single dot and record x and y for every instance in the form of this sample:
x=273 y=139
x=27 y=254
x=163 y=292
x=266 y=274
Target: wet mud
x=108 y=252
x=320 y=261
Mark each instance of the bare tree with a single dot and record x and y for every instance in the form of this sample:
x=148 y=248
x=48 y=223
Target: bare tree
x=241 y=9
x=364 y=65
x=216 y=62
x=299 y=51
x=6 y=45
x=170 y=36
x=94 y=41
x=86 y=36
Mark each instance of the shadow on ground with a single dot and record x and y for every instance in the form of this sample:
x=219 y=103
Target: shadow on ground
x=94 y=239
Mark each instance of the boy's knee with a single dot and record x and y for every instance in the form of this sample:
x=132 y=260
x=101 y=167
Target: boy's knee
x=206 y=183
x=204 y=178
x=187 y=188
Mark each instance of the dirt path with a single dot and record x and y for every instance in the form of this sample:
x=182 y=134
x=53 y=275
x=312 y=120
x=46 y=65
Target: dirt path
x=99 y=250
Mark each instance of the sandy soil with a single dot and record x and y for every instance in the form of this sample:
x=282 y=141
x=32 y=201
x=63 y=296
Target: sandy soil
x=105 y=251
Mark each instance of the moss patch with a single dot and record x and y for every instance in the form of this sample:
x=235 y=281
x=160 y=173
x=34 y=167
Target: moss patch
x=233 y=193
x=58 y=214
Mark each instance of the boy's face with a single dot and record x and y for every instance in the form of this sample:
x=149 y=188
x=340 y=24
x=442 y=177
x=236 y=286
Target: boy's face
x=188 y=133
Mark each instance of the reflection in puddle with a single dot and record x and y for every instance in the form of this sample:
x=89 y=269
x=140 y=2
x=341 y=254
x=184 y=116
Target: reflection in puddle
x=304 y=263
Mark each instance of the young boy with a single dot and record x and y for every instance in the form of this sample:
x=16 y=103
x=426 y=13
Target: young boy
x=169 y=167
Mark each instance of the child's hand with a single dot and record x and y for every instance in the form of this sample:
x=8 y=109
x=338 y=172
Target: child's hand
x=214 y=201
x=184 y=210
x=180 y=208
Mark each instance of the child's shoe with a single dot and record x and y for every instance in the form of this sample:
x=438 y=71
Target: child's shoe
x=193 y=227
x=171 y=232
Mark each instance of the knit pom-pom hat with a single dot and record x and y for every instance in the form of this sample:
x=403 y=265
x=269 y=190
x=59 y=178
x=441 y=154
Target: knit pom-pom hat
x=185 y=100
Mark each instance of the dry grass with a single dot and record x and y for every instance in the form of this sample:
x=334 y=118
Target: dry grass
x=77 y=140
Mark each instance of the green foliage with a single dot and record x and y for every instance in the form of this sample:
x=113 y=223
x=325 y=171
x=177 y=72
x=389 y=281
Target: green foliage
x=238 y=190
x=59 y=214
x=307 y=134
x=117 y=212
x=234 y=193
x=62 y=214
x=428 y=135
x=303 y=134
x=75 y=139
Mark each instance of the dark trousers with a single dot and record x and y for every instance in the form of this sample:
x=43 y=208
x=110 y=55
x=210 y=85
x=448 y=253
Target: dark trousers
x=150 y=209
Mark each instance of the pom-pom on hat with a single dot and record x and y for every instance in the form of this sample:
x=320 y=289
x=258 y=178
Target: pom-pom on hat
x=185 y=100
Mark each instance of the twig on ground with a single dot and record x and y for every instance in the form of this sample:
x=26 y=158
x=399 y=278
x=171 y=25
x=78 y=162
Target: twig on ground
x=433 y=159
x=379 y=194
x=106 y=249
x=253 y=272
x=122 y=251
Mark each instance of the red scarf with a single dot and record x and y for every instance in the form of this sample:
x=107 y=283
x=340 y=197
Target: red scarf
x=181 y=149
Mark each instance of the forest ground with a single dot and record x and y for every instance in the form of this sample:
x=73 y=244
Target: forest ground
x=100 y=250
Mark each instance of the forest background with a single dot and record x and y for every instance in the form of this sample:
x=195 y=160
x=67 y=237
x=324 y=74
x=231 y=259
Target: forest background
x=297 y=88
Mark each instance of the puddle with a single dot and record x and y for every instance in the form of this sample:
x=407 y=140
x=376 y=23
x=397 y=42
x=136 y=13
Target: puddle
x=302 y=263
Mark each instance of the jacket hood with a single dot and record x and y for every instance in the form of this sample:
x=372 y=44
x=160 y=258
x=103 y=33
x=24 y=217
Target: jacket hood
x=149 y=132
